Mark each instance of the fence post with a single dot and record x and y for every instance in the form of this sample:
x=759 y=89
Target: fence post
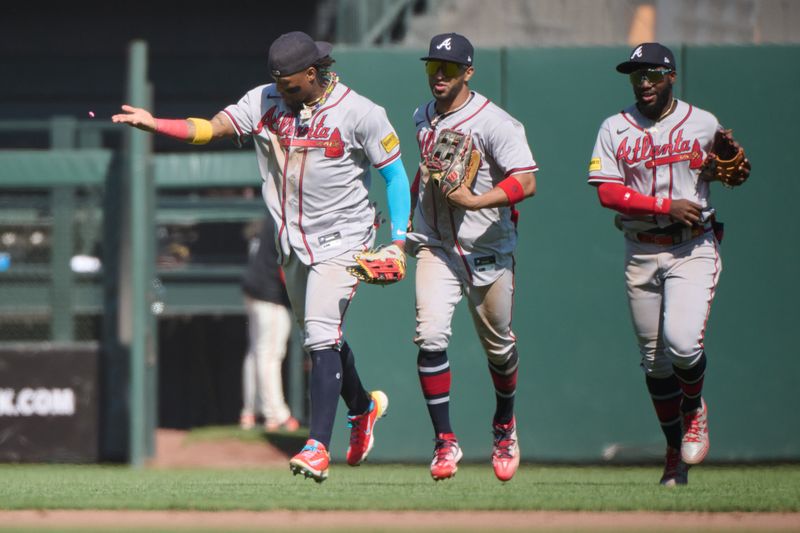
x=138 y=267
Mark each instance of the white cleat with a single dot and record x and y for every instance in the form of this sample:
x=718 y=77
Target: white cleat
x=695 y=444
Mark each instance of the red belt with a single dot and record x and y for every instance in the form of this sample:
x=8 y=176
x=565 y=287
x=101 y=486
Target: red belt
x=669 y=239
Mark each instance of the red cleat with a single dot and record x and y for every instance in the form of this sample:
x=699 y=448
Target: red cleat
x=362 y=427
x=505 y=452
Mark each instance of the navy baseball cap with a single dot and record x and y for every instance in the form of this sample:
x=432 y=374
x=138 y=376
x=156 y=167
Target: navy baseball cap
x=295 y=51
x=648 y=55
x=450 y=47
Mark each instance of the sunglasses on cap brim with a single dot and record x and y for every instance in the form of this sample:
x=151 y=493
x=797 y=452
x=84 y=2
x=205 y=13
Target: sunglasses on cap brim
x=449 y=69
x=652 y=75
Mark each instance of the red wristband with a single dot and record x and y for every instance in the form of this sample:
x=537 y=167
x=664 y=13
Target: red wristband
x=177 y=128
x=513 y=189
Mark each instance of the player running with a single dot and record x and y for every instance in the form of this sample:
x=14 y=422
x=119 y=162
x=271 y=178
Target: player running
x=464 y=245
x=315 y=140
x=646 y=164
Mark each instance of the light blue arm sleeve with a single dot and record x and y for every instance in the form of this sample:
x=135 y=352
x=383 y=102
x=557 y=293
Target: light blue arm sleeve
x=398 y=196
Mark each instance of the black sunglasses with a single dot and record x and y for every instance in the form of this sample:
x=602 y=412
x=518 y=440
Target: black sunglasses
x=652 y=75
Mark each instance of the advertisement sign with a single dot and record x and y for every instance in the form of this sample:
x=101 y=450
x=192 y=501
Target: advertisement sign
x=48 y=403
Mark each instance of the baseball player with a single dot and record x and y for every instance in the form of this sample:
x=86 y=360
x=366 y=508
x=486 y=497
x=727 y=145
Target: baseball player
x=315 y=140
x=464 y=245
x=645 y=165
x=269 y=323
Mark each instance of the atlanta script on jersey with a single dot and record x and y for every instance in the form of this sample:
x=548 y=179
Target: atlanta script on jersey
x=316 y=169
x=661 y=159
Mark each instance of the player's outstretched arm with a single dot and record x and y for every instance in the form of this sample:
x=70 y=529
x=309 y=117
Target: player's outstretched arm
x=191 y=130
x=510 y=191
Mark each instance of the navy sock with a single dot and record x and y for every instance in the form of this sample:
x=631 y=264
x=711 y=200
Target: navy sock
x=326 y=385
x=354 y=394
x=434 y=377
x=691 y=383
x=666 y=396
x=504 y=377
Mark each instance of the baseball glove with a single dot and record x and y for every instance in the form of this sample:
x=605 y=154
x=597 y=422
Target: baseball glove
x=381 y=266
x=452 y=161
x=726 y=161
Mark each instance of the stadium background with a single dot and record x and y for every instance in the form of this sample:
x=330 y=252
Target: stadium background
x=581 y=392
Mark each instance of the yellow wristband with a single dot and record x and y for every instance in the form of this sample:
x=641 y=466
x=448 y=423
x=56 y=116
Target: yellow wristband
x=203 y=132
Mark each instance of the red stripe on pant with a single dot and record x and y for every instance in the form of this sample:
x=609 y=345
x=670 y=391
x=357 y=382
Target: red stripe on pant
x=435 y=384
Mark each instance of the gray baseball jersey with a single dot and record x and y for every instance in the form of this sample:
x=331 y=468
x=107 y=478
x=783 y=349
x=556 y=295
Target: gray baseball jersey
x=317 y=187
x=482 y=241
x=670 y=287
x=660 y=159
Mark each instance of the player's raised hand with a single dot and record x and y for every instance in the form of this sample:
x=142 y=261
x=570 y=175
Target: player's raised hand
x=685 y=211
x=136 y=117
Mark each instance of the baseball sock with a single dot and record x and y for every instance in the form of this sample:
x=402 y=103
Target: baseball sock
x=326 y=385
x=434 y=377
x=691 y=383
x=666 y=395
x=354 y=395
x=504 y=376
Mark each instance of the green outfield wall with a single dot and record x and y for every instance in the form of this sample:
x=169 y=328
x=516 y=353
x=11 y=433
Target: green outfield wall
x=581 y=393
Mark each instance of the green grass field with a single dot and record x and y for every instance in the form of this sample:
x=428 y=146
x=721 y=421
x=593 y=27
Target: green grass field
x=400 y=487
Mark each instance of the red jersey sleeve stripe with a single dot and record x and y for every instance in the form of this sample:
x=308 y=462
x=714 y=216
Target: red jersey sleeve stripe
x=233 y=121
x=520 y=170
x=386 y=162
x=597 y=177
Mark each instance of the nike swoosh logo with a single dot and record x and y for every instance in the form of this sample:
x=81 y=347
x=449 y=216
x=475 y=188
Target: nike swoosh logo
x=623 y=130
x=315 y=462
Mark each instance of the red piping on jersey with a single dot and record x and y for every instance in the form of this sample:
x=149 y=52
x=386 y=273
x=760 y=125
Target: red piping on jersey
x=713 y=290
x=300 y=205
x=632 y=122
x=606 y=178
x=283 y=201
x=384 y=163
x=458 y=245
x=235 y=125
x=678 y=125
x=472 y=115
x=520 y=170
x=319 y=112
x=455 y=126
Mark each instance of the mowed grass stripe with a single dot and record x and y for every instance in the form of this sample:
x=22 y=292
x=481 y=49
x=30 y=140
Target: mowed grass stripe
x=400 y=487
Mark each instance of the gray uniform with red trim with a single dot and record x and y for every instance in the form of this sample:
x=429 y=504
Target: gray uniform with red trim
x=316 y=173
x=468 y=252
x=671 y=271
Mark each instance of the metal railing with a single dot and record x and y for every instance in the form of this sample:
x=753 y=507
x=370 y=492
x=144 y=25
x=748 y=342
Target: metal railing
x=369 y=22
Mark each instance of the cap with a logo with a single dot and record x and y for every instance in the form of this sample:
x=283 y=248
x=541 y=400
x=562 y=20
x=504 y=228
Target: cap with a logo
x=648 y=55
x=451 y=47
x=294 y=51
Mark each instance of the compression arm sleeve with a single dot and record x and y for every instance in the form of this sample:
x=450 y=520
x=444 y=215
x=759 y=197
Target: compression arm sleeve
x=398 y=197
x=629 y=202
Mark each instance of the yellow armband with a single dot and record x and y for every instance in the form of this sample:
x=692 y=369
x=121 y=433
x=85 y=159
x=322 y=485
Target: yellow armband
x=203 y=132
